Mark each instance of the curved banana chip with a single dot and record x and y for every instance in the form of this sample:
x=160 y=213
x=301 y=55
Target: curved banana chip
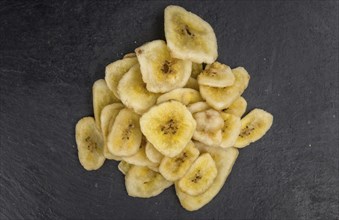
x=89 y=143
x=152 y=153
x=231 y=130
x=224 y=160
x=125 y=137
x=169 y=126
x=133 y=93
x=198 y=107
x=184 y=95
x=102 y=96
x=253 y=126
x=221 y=98
x=216 y=75
x=115 y=71
x=175 y=168
x=189 y=37
x=237 y=108
x=160 y=71
x=145 y=183
x=107 y=118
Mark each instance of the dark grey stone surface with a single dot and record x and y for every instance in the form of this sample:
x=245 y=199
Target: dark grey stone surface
x=52 y=51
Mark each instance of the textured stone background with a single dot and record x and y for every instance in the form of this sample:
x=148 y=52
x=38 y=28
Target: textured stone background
x=52 y=51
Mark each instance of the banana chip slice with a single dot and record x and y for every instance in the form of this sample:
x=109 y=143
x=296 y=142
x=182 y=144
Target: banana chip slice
x=231 y=130
x=160 y=71
x=152 y=153
x=169 y=126
x=192 y=83
x=224 y=160
x=198 y=107
x=197 y=68
x=107 y=118
x=140 y=158
x=189 y=37
x=175 y=168
x=115 y=71
x=102 y=96
x=237 y=108
x=209 y=127
x=124 y=167
x=253 y=126
x=125 y=137
x=184 y=95
x=216 y=75
x=90 y=144
x=200 y=176
x=221 y=98
x=133 y=93
x=145 y=183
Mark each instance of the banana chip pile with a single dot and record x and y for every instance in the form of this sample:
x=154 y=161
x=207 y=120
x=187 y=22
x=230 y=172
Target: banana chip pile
x=172 y=115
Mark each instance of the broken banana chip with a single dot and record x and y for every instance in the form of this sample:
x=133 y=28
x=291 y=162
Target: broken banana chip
x=90 y=144
x=152 y=153
x=253 y=126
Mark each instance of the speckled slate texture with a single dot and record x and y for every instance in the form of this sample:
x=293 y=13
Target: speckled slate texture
x=51 y=52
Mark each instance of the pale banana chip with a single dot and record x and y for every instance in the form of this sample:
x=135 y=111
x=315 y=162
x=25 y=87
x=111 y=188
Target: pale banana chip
x=125 y=137
x=169 y=126
x=189 y=37
x=152 y=153
x=115 y=71
x=124 y=167
x=192 y=83
x=184 y=95
x=175 y=168
x=102 y=96
x=143 y=182
x=133 y=93
x=231 y=130
x=89 y=143
x=107 y=118
x=253 y=126
x=216 y=75
x=237 y=108
x=160 y=71
x=200 y=176
x=198 y=107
